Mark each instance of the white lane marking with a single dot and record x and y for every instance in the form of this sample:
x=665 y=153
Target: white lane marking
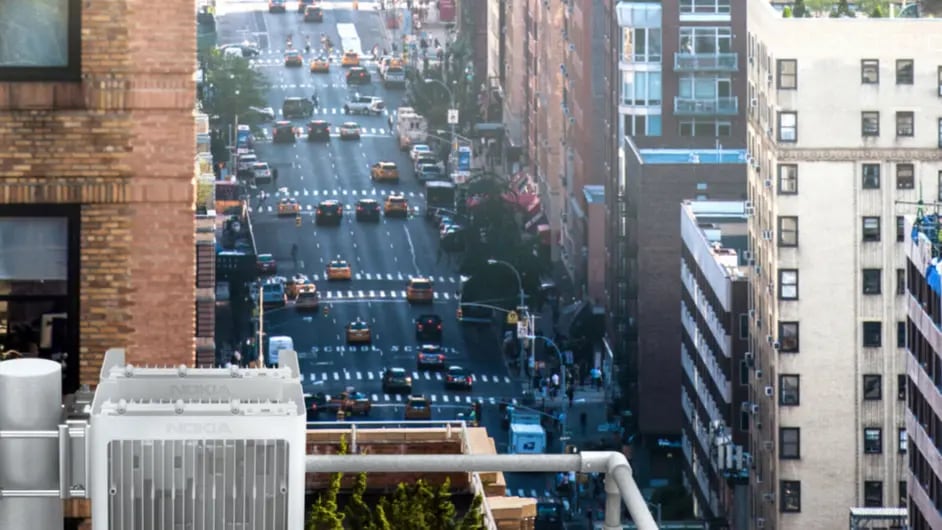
x=411 y=249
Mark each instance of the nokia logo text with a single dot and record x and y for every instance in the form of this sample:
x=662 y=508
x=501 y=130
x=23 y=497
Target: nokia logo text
x=199 y=428
x=192 y=391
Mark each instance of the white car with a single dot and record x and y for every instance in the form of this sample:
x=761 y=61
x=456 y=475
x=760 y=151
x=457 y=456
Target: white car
x=349 y=129
x=262 y=172
x=419 y=150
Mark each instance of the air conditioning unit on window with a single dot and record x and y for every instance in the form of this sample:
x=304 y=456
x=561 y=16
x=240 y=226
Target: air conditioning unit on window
x=767 y=235
x=777 y=345
x=769 y=79
x=759 y=375
x=748 y=204
x=769 y=392
x=749 y=357
x=760 y=522
x=769 y=498
x=768 y=183
x=749 y=210
x=754 y=408
x=753 y=102
x=747 y=255
x=768 y=445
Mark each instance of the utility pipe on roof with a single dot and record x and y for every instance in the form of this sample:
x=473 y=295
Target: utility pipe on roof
x=611 y=463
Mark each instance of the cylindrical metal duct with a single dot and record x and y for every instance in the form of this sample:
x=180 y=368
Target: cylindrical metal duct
x=30 y=400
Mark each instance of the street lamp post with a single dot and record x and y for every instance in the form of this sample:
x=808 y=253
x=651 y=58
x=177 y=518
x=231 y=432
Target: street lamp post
x=451 y=106
x=521 y=360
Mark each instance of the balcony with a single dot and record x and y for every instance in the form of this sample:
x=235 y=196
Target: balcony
x=706 y=62
x=728 y=106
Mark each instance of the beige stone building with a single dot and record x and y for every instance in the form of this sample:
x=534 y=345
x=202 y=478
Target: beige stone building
x=844 y=131
x=97 y=150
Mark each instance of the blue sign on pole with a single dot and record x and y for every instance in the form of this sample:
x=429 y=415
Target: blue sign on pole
x=464 y=158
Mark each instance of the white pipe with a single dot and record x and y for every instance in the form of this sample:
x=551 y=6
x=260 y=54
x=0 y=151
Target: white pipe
x=607 y=462
x=612 y=504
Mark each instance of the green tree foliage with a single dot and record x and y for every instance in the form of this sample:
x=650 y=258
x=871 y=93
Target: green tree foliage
x=817 y=6
x=324 y=514
x=799 y=10
x=231 y=87
x=381 y=522
x=357 y=513
x=787 y=12
x=442 y=514
x=473 y=519
x=842 y=9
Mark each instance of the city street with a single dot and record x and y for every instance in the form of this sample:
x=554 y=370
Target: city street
x=383 y=255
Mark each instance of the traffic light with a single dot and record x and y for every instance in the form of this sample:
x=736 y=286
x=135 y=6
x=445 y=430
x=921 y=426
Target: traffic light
x=297 y=220
x=477 y=411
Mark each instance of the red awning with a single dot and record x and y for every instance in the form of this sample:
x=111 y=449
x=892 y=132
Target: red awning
x=526 y=202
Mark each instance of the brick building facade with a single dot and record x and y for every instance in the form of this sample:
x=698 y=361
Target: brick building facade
x=96 y=179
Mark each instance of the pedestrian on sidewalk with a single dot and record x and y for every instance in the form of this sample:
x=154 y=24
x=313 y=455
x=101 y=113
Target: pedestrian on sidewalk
x=596 y=375
x=389 y=122
x=571 y=394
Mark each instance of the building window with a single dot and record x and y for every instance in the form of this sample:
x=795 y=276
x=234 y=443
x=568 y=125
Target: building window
x=641 y=88
x=743 y=326
x=706 y=40
x=901 y=387
x=900 y=281
x=787 y=70
x=743 y=373
x=788 y=284
x=872 y=387
x=870 y=71
x=790 y=491
x=873 y=494
x=904 y=71
x=39 y=284
x=873 y=334
x=940 y=133
x=900 y=228
x=903 y=497
x=871 y=228
x=789 y=390
x=940 y=83
x=787 y=231
x=704 y=7
x=872 y=280
x=903 y=440
x=641 y=45
x=871 y=176
x=870 y=123
x=788 y=126
x=53 y=49
x=788 y=337
x=789 y=443
x=901 y=334
x=873 y=440
x=905 y=177
x=905 y=123
x=704 y=127
x=787 y=179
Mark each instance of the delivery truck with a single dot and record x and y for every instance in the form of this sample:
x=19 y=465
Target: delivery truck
x=527 y=435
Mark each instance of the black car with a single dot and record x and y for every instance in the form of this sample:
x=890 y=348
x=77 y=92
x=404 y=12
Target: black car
x=303 y=4
x=368 y=210
x=283 y=132
x=295 y=107
x=397 y=380
x=318 y=130
x=328 y=212
x=430 y=357
x=277 y=6
x=358 y=75
x=458 y=377
x=428 y=328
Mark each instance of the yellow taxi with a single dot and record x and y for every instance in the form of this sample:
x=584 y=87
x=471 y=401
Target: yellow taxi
x=288 y=206
x=320 y=65
x=396 y=205
x=338 y=269
x=294 y=284
x=350 y=58
x=419 y=290
x=358 y=332
x=307 y=298
x=381 y=171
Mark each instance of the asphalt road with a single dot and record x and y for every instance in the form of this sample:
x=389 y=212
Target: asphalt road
x=383 y=255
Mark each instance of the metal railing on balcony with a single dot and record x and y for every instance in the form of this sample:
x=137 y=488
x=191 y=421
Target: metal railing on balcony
x=706 y=62
x=727 y=106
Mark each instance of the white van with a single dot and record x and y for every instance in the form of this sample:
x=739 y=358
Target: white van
x=276 y=344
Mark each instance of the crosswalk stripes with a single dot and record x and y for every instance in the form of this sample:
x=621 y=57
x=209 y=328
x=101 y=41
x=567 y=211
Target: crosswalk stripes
x=530 y=493
x=416 y=375
x=304 y=192
x=337 y=296
x=390 y=277
x=450 y=399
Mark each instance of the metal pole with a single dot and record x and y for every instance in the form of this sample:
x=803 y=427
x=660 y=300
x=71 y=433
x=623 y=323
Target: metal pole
x=261 y=324
x=612 y=504
x=30 y=400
